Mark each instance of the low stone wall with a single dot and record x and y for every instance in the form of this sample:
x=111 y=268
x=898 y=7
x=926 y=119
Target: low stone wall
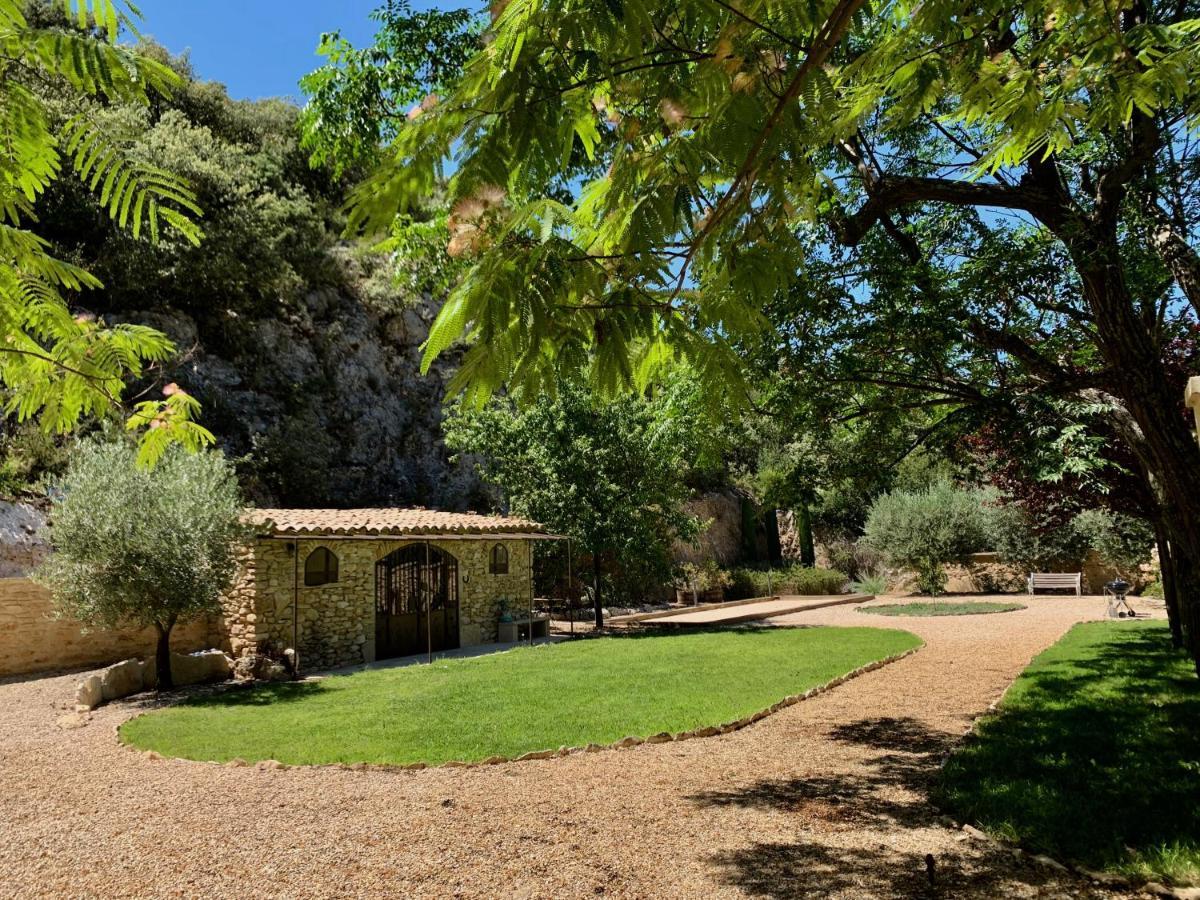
x=32 y=640
x=987 y=575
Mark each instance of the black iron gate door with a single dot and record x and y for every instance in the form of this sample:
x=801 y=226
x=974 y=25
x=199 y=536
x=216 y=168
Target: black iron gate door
x=416 y=601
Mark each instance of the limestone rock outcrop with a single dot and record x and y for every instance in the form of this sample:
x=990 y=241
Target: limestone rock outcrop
x=325 y=400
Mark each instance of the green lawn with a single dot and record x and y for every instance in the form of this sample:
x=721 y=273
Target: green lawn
x=940 y=609
x=1094 y=756
x=532 y=698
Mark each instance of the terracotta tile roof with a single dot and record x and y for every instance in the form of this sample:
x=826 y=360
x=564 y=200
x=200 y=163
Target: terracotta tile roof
x=385 y=521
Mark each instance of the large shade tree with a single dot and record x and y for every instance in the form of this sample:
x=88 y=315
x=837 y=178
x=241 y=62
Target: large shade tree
x=734 y=145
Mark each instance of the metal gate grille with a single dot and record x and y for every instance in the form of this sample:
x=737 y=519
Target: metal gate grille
x=416 y=601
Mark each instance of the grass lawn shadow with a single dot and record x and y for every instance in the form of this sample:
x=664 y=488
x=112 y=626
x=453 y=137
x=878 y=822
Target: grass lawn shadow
x=1095 y=755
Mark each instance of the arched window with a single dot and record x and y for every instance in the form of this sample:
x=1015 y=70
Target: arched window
x=499 y=563
x=321 y=567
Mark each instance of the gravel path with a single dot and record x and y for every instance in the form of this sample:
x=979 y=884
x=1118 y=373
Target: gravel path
x=825 y=799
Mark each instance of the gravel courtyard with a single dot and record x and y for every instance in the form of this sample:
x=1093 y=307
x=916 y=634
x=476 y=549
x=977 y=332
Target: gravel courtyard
x=824 y=799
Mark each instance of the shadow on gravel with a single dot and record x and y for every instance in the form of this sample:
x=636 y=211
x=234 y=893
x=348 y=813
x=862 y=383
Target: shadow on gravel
x=842 y=801
x=811 y=870
x=891 y=795
x=904 y=735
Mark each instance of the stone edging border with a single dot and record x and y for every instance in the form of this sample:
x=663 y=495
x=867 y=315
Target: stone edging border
x=622 y=744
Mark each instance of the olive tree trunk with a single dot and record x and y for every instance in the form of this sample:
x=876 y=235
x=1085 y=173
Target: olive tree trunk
x=162 y=655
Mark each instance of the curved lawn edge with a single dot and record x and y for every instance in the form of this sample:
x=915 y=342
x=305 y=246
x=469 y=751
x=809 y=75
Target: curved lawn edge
x=964 y=608
x=620 y=744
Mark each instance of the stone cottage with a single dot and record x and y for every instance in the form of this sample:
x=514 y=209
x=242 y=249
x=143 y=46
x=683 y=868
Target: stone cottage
x=347 y=586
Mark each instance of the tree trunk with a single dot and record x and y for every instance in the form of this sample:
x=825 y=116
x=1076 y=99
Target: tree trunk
x=1166 y=566
x=1169 y=450
x=162 y=656
x=599 y=608
x=808 y=552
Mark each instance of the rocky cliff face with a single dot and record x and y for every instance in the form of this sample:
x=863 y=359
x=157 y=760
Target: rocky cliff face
x=323 y=404
x=22 y=540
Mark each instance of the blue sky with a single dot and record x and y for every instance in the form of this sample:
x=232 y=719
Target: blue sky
x=259 y=48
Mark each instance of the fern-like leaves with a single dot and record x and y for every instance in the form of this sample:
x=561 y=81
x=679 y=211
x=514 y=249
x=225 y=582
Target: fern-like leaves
x=56 y=366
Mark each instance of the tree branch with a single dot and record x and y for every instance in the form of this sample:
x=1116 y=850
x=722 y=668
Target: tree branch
x=891 y=192
x=826 y=41
x=1177 y=255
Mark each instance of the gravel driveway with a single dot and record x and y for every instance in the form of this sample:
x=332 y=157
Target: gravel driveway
x=824 y=799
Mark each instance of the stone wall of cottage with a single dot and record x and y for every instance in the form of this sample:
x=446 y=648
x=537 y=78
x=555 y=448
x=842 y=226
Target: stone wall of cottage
x=335 y=625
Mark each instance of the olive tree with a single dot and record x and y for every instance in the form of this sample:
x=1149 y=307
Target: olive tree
x=924 y=530
x=145 y=547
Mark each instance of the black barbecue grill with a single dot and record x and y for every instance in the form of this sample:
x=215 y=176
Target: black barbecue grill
x=1118 y=606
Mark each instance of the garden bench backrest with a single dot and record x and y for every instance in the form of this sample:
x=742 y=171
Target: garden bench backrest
x=1071 y=581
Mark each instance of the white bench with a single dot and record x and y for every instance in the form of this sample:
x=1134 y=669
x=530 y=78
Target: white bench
x=1056 y=581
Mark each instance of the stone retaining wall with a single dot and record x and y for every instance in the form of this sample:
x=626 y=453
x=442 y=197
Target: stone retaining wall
x=32 y=640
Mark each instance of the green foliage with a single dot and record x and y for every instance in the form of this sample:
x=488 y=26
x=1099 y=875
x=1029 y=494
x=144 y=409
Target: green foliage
x=57 y=366
x=271 y=219
x=1153 y=589
x=796 y=579
x=811 y=580
x=716 y=138
x=925 y=530
x=516 y=698
x=1120 y=540
x=699 y=577
x=870 y=584
x=604 y=473
x=1021 y=541
x=360 y=97
x=1092 y=756
x=142 y=547
x=28 y=458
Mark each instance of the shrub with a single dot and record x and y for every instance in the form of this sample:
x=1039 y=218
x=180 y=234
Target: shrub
x=749 y=582
x=802 y=580
x=1018 y=540
x=854 y=558
x=925 y=530
x=151 y=548
x=1120 y=540
x=1153 y=589
x=700 y=577
x=870 y=584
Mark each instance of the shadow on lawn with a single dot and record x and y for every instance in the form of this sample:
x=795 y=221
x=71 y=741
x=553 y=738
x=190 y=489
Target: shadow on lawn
x=1091 y=757
x=258 y=694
